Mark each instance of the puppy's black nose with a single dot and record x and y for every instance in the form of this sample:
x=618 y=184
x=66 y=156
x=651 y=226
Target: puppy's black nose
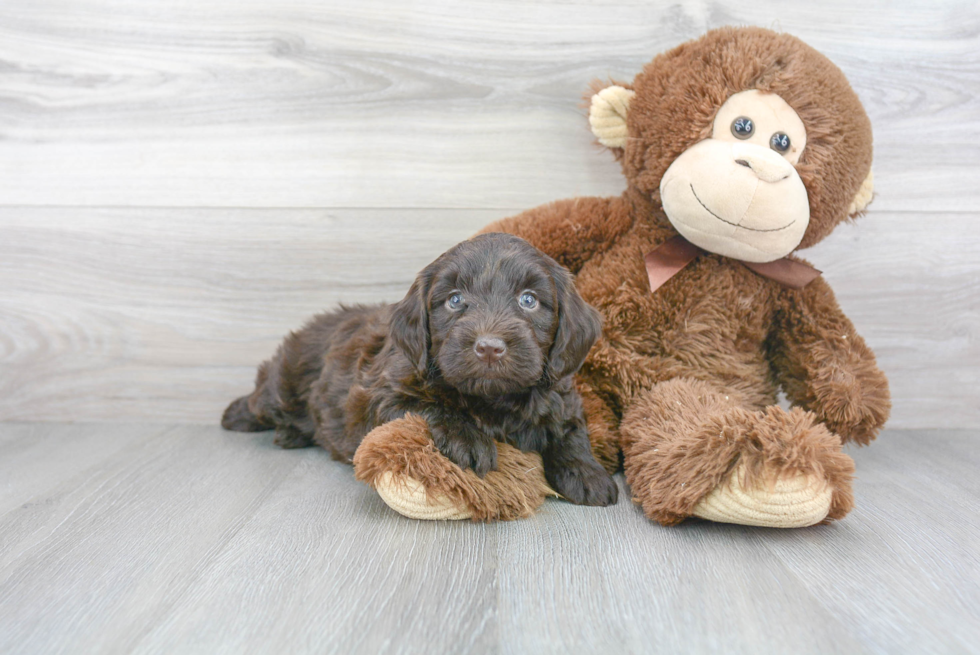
x=489 y=349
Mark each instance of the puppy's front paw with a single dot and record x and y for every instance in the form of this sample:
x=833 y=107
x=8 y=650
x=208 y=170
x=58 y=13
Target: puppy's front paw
x=584 y=483
x=472 y=451
x=482 y=457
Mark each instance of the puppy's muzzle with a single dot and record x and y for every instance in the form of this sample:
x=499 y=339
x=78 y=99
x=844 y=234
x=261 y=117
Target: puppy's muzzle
x=490 y=349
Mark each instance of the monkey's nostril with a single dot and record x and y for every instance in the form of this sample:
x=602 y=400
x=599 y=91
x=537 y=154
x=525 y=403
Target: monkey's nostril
x=489 y=349
x=742 y=162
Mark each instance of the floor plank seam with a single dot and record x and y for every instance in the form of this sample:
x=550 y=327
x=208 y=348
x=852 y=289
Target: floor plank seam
x=207 y=560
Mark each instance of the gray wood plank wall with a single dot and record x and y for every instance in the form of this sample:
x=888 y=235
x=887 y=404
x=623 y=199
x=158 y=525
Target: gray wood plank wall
x=181 y=183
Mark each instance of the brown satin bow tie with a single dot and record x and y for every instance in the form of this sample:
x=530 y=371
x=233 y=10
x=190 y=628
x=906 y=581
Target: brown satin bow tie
x=667 y=259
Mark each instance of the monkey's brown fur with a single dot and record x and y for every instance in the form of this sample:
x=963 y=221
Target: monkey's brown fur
x=404 y=448
x=684 y=380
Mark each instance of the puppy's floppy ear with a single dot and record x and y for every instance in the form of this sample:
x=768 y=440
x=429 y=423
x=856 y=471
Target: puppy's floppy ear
x=579 y=327
x=409 y=327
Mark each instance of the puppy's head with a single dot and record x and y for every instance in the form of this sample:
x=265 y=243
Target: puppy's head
x=496 y=316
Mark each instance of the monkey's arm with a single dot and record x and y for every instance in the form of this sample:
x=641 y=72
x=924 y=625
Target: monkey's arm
x=824 y=365
x=570 y=231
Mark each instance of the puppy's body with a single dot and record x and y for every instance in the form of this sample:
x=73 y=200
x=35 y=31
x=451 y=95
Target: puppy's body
x=486 y=368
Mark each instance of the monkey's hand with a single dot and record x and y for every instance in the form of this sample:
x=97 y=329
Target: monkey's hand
x=826 y=367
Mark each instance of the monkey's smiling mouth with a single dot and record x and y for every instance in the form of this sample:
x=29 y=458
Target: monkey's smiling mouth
x=775 y=229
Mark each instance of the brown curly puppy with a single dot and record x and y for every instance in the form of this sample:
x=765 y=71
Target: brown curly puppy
x=483 y=348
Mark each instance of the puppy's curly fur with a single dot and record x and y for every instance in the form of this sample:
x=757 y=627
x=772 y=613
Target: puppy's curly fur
x=483 y=347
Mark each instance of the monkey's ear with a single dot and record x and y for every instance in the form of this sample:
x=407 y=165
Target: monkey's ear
x=607 y=115
x=863 y=197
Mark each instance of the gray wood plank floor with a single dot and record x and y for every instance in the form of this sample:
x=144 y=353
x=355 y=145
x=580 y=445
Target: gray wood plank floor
x=187 y=539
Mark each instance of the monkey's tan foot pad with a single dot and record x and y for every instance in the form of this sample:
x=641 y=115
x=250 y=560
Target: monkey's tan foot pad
x=794 y=500
x=408 y=497
x=402 y=463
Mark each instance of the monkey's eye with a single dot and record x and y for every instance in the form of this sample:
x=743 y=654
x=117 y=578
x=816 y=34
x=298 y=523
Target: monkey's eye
x=743 y=127
x=527 y=300
x=455 y=300
x=779 y=142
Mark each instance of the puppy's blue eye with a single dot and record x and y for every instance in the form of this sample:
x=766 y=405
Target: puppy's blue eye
x=455 y=301
x=527 y=300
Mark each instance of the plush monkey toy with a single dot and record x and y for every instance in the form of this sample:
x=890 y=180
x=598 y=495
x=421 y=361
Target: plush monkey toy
x=739 y=148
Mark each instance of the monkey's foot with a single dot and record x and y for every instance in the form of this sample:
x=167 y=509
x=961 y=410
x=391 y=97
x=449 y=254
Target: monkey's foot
x=690 y=450
x=409 y=497
x=403 y=465
x=794 y=500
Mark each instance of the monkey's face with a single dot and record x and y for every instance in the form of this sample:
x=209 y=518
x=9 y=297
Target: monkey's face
x=737 y=193
x=727 y=184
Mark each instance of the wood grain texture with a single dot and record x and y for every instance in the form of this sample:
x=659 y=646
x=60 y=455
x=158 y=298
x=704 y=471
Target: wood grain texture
x=117 y=314
x=238 y=137
x=268 y=160
x=424 y=104
x=189 y=539
x=925 y=478
x=163 y=314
